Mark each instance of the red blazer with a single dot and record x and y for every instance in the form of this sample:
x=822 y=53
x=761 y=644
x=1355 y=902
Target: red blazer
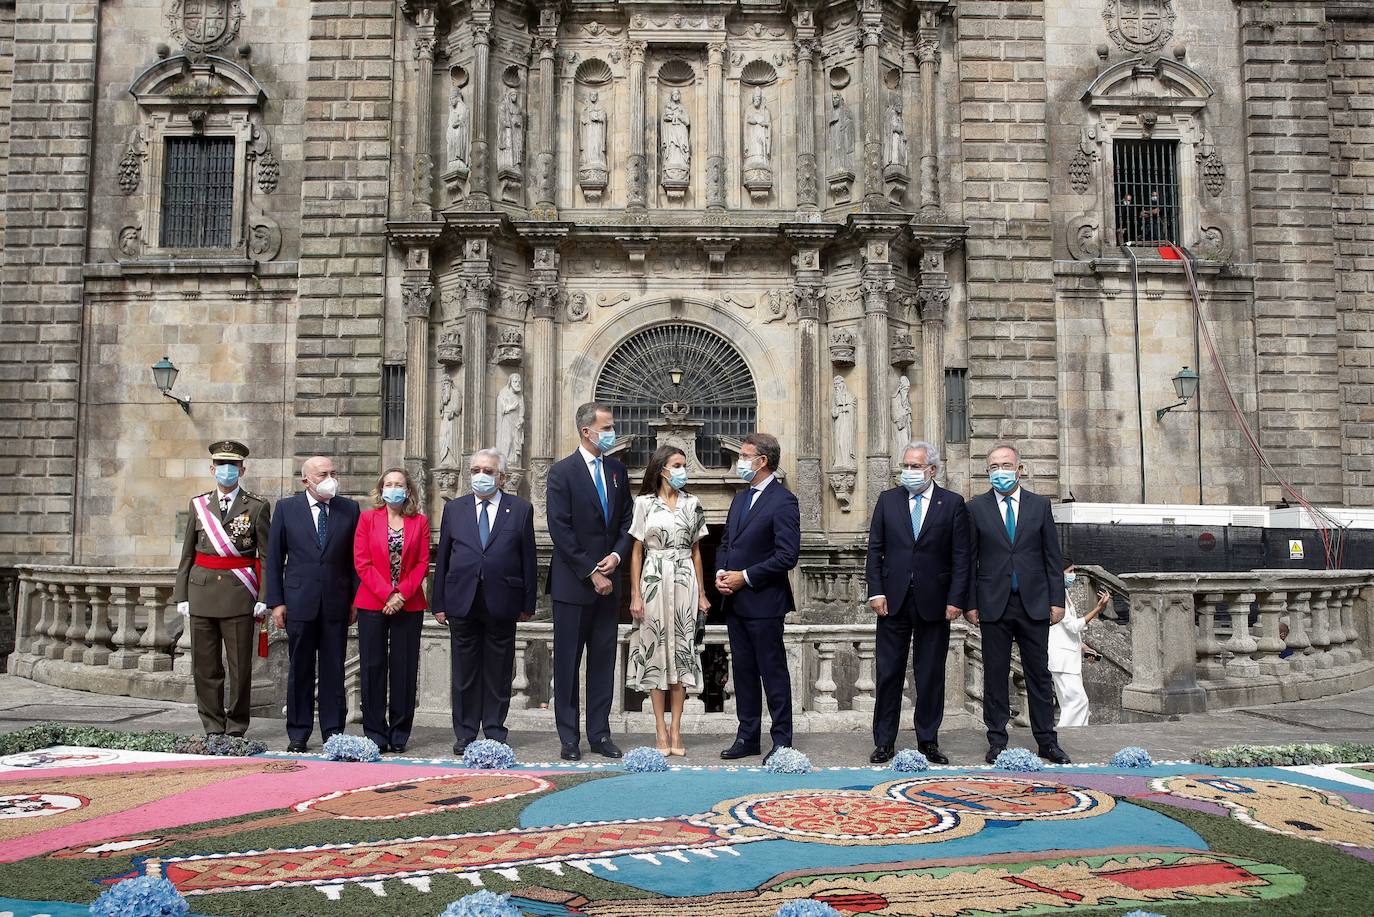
x=373 y=561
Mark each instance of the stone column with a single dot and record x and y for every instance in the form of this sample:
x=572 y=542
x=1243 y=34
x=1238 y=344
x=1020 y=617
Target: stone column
x=477 y=287
x=715 y=129
x=422 y=189
x=547 y=47
x=808 y=191
x=636 y=178
x=932 y=297
x=479 y=175
x=871 y=39
x=545 y=295
x=875 y=283
x=928 y=57
x=417 y=293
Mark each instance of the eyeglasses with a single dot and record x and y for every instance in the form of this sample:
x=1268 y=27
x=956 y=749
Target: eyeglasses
x=914 y=467
x=1005 y=466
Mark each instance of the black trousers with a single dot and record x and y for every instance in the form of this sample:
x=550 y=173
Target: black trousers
x=481 y=666
x=1033 y=639
x=389 y=673
x=757 y=656
x=315 y=645
x=578 y=629
x=897 y=634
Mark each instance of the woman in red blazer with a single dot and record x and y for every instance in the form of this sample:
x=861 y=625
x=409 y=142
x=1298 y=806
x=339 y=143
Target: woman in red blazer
x=391 y=552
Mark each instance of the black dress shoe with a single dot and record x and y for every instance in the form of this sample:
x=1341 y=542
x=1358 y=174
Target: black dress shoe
x=329 y=735
x=771 y=752
x=993 y=752
x=881 y=754
x=606 y=749
x=459 y=747
x=298 y=747
x=739 y=750
x=1054 y=754
x=932 y=752
x=397 y=749
x=236 y=735
x=570 y=753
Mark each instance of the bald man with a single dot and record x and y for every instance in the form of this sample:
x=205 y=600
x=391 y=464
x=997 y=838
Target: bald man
x=310 y=583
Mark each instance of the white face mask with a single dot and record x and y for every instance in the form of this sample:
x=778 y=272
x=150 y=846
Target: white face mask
x=327 y=489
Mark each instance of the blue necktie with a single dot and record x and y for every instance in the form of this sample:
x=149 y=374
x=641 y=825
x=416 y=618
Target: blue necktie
x=748 y=504
x=916 y=517
x=322 y=524
x=1011 y=533
x=601 y=489
x=483 y=526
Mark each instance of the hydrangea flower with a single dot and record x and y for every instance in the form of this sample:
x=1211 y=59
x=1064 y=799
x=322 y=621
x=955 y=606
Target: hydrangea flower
x=482 y=904
x=344 y=747
x=908 y=760
x=645 y=760
x=1017 y=759
x=788 y=761
x=488 y=754
x=806 y=907
x=1140 y=913
x=145 y=896
x=1132 y=756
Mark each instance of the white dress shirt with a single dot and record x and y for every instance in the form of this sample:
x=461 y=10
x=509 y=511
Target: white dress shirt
x=231 y=496
x=315 y=508
x=494 y=500
x=1015 y=496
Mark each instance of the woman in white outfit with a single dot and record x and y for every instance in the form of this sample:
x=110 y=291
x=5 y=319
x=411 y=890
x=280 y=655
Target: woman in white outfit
x=1066 y=656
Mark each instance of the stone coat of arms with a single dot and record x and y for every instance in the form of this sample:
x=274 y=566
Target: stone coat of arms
x=202 y=26
x=1139 y=26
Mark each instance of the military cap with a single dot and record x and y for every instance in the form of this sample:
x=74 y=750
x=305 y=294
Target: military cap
x=227 y=450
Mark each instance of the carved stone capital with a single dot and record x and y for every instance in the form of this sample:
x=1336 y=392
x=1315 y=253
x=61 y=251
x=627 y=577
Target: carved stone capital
x=932 y=301
x=416 y=298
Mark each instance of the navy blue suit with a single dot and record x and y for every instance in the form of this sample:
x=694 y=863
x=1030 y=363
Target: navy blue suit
x=483 y=591
x=1020 y=615
x=317 y=586
x=763 y=542
x=919 y=577
x=582 y=620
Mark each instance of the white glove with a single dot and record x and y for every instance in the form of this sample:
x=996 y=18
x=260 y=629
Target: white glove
x=184 y=609
x=259 y=611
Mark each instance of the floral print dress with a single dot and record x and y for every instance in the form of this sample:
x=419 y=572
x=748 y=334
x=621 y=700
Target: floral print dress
x=662 y=652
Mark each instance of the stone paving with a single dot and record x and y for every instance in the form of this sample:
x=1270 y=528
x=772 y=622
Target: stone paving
x=1348 y=717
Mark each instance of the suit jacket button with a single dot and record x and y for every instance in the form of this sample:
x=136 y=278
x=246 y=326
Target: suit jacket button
x=219 y=576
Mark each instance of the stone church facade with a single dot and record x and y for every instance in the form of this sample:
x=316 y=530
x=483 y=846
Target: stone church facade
x=394 y=232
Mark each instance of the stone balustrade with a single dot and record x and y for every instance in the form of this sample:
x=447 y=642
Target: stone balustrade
x=1211 y=640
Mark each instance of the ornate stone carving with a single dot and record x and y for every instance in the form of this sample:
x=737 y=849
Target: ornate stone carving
x=606 y=300
x=450 y=344
x=842 y=347
x=840 y=143
x=1214 y=243
x=594 y=170
x=269 y=172
x=510 y=348
x=450 y=409
x=510 y=421
x=459 y=135
x=575 y=306
x=1212 y=170
x=416 y=298
x=932 y=302
x=901 y=418
x=902 y=352
x=264 y=238
x=1084 y=238
x=510 y=145
x=1139 y=26
x=844 y=409
x=446 y=483
x=130 y=242
x=758 y=148
x=202 y=26
x=776 y=304
x=842 y=486
x=675 y=146
x=415 y=467
x=1080 y=172
x=131 y=166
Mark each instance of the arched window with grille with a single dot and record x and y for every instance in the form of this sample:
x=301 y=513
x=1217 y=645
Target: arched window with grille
x=686 y=364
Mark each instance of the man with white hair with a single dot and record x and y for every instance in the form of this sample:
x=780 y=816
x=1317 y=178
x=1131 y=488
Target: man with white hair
x=917 y=572
x=310 y=582
x=485 y=581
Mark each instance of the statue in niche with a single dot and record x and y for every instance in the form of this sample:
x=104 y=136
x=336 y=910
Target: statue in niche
x=449 y=409
x=758 y=133
x=459 y=130
x=593 y=136
x=841 y=135
x=510 y=421
x=896 y=136
x=901 y=418
x=844 y=408
x=676 y=140
x=510 y=148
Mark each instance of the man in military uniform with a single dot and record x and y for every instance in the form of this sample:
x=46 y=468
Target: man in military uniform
x=217 y=587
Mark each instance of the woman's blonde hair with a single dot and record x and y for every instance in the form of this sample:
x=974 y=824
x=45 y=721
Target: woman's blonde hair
x=412 y=505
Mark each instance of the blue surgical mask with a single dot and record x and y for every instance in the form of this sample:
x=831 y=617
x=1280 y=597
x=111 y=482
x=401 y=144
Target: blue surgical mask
x=1069 y=579
x=1002 y=481
x=394 y=496
x=745 y=469
x=914 y=479
x=677 y=477
x=227 y=475
x=483 y=484
x=605 y=440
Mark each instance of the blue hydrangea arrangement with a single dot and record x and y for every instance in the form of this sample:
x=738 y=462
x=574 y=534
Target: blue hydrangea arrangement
x=806 y=907
x=488 y=754
x=482 y=904
x=788 y=761
x=344 y=747
x=645 y=760
x=145 y=896
x=909 y=761
x=1132 y=756
x=1140 y=913
x=1017 y=759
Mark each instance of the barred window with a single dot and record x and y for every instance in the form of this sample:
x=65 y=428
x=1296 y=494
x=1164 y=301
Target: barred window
x=198 y=192
x=1146 y=184
x=956 y=405
x=394 y=401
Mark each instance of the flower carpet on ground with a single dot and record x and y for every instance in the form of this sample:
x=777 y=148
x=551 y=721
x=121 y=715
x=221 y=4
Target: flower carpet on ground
x=302 y=835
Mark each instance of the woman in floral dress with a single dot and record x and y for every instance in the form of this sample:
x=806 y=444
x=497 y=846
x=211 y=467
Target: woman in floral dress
x=666 y=595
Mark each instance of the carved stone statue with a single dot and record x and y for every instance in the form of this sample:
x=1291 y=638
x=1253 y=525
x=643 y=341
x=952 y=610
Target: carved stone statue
x=676 y=139
x=758 y=133
x=449 y=409
x=510 y=147
x=843 y=409
x=459 y=130
x=901 y=418
x=841 y=135
x=510 y=421
x=593 y=133
x=895 y=152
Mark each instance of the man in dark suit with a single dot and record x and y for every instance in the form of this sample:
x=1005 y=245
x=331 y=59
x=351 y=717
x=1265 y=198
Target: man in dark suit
x=311 y=580
x=917 y=572
x=485 y=580
x=1017 y=594
x=760 y=545
x=589 y=513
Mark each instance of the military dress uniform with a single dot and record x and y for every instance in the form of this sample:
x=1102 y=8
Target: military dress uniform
x=219 y=577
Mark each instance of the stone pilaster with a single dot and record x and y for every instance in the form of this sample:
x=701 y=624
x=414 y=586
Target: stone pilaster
x=932 y=297
x=715 y=126
x=871 y=40
x=422 y=188
x=479 y=179
x=546 y=294
x=546 y=46
x=809 y=293
x=636 y=179
x=417 y=240
x=876 y=282
x=928 y=58
x=808 y=48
